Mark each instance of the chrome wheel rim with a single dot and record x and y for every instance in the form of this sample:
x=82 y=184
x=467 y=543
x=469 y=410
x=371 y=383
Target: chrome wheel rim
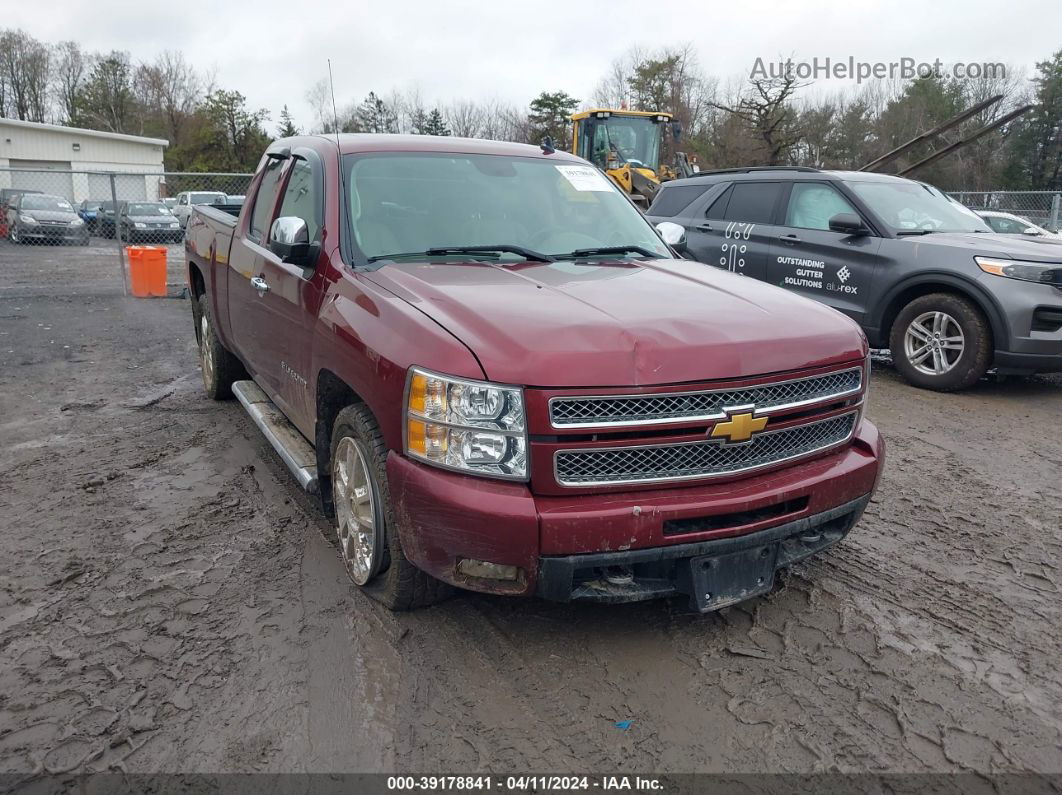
x=206 y=351
x=934 y=343
x=359 y=536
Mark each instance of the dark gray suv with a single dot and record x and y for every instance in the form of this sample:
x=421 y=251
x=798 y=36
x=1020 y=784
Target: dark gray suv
x=919 y=272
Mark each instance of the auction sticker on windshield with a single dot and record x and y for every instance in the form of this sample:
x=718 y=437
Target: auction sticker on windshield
x=584 y=178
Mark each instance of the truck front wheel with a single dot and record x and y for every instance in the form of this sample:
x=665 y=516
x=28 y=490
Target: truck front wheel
x=220 y=368
x=366 y=532
x=941 y=341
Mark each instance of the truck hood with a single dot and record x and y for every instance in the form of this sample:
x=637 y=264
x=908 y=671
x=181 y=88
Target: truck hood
x=563 y=324
x=989 y=244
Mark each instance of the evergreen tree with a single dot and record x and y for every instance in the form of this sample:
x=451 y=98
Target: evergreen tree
x=549 y=116
x=287 y=128
x=430 y=123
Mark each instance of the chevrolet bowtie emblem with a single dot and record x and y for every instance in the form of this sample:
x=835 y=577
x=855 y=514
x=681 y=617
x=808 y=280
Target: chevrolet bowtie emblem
x=738 y=427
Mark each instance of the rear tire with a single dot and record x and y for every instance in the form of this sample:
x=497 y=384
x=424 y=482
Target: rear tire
x=221 y=369
x=360 y=494
x=942 y=342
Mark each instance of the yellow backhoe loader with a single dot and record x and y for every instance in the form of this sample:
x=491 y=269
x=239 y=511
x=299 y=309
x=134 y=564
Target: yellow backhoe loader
x=626 y=145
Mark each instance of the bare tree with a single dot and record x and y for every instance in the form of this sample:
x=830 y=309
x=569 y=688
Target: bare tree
x=464 y=118
x=69 y=68
x=24 y=71
x=765 y=109
x=172 y=87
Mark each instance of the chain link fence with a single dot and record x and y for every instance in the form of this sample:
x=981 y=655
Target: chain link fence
x=1043 y=208
x=100 y=213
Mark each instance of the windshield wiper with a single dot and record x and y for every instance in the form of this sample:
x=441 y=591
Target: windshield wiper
x=581 y=253
x=482 y=252
x=904 y=232
x=526 y=253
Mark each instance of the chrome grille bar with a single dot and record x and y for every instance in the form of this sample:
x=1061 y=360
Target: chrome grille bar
x=659 y=463
x=603 y=411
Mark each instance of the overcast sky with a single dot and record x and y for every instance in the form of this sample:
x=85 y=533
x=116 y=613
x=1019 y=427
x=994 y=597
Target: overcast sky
x=272 y=51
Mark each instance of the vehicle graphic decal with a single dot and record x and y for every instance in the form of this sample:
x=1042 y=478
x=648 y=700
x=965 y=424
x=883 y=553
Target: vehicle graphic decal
x=738 y=232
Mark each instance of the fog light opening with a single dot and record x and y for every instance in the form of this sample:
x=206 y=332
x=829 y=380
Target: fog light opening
x=486 y=570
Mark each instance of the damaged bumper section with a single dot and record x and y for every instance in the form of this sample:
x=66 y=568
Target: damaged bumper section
x=713 y=574
x=716 y=543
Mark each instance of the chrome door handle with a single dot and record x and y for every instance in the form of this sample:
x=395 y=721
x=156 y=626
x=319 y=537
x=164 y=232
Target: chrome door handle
x=260 y=284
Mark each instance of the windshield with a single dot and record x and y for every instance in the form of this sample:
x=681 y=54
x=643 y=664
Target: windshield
x=90 y=206
x=626 y=139
x=913 y=206
x=206 y=198
x=149 y=208
x=413 y=202
x=35 y=202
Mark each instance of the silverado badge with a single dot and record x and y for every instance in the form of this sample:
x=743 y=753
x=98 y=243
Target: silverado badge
x=738 y=427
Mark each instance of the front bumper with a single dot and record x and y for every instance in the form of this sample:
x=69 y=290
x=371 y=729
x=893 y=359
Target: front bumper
x=559 y=544
x=1028 y=349
x=53 y=233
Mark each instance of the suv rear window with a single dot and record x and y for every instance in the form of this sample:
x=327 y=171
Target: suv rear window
x=674 y=198
x=752 y=202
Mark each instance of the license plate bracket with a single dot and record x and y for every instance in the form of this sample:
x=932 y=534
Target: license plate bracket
x=717 y=581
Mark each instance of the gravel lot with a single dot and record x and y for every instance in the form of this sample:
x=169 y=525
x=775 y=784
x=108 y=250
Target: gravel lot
x=169 y=600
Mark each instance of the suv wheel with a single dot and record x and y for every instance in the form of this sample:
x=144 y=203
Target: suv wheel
x=942 y=342
x=366 y=532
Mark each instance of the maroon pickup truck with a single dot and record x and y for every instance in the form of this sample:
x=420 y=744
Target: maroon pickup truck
x=498 y=376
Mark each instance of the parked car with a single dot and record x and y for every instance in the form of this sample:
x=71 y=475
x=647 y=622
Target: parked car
x=1010 y=224
x=497 y=376
x=87 y=211
x=8 y=196
x=149 y=222
x=186 y=200
x=918 y=272
x=105 y=218
x=41 y=218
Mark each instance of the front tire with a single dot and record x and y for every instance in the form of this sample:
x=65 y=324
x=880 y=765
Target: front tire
x=366 y=531
x=221 y=369
x=942 y=342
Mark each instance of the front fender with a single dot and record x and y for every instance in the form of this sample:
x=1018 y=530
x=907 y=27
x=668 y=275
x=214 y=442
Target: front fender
x=368 y=338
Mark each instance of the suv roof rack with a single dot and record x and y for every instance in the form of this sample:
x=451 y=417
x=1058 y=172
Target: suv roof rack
x=749 y=169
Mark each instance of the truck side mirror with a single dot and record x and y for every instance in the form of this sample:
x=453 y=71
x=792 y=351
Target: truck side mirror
x=848 y=224
x=673 y=234
x=289 y=239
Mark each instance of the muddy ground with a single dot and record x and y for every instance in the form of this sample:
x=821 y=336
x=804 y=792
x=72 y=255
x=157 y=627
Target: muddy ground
x=169 y=600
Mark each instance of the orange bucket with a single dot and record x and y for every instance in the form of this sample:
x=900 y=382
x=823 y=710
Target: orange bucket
x=147 y=270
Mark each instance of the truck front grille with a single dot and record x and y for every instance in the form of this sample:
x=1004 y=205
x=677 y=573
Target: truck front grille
x=695 y=460
x=604 y=411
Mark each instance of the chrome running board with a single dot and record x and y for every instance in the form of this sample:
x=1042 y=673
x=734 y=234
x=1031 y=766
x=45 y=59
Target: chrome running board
x=296 y=453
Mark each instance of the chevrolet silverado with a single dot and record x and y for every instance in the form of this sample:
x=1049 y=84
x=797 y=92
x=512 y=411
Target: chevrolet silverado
x=498 y=376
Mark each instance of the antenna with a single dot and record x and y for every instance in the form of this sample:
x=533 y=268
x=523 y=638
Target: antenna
x=335 y=113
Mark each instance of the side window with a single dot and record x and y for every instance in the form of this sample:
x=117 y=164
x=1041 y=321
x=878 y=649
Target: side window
x=265 y=198
x=302 y=198
x=717 y=210
x=813 y=204
x=753 y=202
x=183 y=199
x=673 y=199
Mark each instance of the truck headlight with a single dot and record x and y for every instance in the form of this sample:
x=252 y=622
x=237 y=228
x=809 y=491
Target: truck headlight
x=469 y=426
x=1042 y=272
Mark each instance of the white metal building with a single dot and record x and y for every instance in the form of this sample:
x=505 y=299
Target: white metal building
x=27 y=149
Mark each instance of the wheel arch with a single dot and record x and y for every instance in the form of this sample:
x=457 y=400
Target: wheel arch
x=333 y=395
x=925 y=284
